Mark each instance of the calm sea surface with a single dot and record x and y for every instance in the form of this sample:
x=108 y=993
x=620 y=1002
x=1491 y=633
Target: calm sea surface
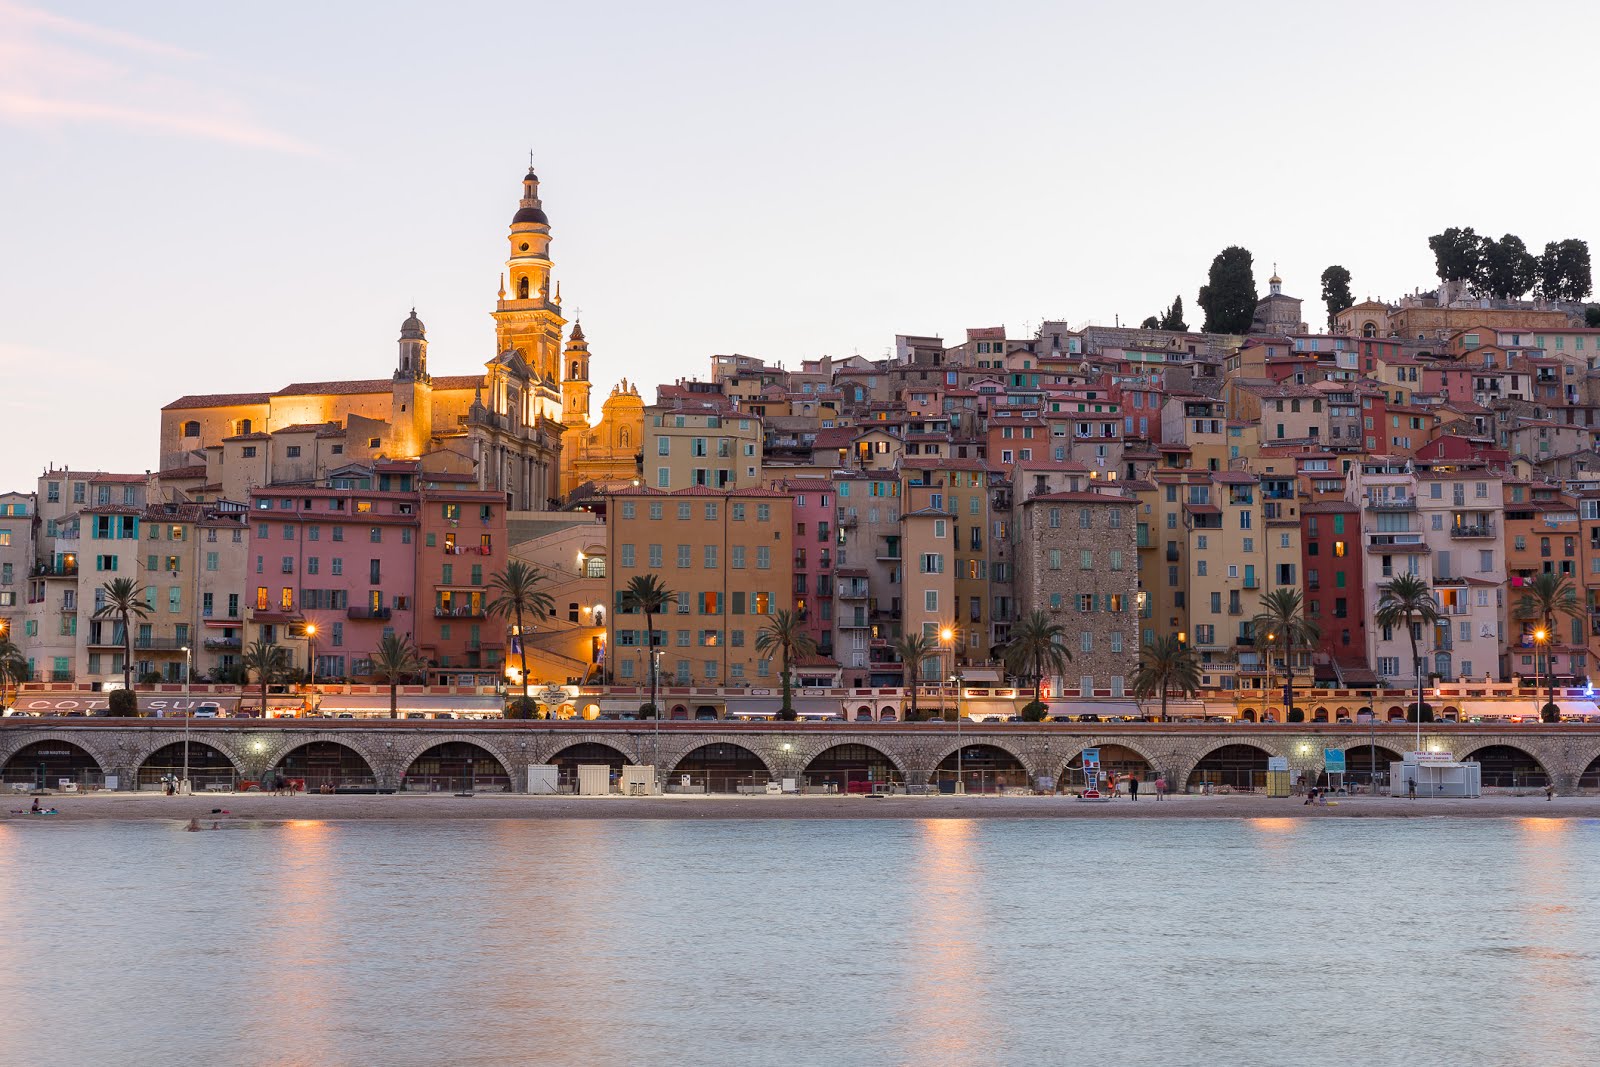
x=805 y=942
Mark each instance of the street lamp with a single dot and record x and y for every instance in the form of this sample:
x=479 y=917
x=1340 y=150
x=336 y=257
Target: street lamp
x=1272 y=639
x=188 y=711
x=655 y=712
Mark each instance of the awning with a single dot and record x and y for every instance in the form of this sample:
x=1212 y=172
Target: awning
x=1093 y=707
x=374 y=704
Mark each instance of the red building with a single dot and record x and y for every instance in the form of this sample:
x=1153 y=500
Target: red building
x=1330 y=547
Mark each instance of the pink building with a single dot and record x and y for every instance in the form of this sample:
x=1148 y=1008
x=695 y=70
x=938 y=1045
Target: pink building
x=814 y=553
x=340 y=555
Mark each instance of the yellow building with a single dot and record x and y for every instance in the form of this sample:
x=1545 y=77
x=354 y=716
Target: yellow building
x=508 y=418
x=717 y=449
x=608 y=451
x=727 y=558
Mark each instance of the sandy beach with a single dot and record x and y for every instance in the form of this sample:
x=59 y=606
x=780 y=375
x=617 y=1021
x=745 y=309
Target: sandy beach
x=256 y=806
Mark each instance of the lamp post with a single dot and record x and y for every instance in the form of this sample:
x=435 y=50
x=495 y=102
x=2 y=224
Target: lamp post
x=188 y=712
x=1541 y=640
x=1267 y=696
x=311 y=658
x=960 y=781
x=655 y=712
x=945 y=634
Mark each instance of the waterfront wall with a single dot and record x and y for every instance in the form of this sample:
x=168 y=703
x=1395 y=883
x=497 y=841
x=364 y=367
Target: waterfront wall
x=1565 y=752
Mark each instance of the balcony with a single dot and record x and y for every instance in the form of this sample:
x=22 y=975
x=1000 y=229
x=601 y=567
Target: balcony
x=158 y=644
x=858 y=621
x=1396 y=542
x=223 y=644
x=464 y=611
x=851 y=591
x=381 y=614
x=1393 y=504
x=1480 y=530
x=1251 y=582
x=54 y=570
x=61 y=676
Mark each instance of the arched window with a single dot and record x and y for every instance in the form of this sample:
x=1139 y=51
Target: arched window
x=191 y=429
x=242 y=426
x=574 y=369
x=522 y=288
x=1369 y=329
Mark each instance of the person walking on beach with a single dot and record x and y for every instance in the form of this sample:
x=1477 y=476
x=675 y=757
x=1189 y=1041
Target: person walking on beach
x=1549 y=792
x=1161 y=788
x=1411 y=788
x=1133 y=787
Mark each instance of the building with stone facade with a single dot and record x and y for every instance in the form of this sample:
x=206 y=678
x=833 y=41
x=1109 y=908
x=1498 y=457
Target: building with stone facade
x=1076 y=560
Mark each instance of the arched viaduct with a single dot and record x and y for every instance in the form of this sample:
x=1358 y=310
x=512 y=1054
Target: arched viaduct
x=1569 y=754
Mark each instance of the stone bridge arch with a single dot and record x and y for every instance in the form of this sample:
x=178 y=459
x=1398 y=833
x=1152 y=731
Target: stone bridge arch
x=1055 y=763
x=416 y=745
x=1017 y=746
x=99 y=753
x=379 y=751
x=807 y=749
x=1190 y=756
x=762 y=746
x=137 y=751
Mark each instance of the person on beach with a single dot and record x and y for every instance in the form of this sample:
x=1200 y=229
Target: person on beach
x=1133 y=787
x=1161 y=788
x=1311 y=796
x=1549 y=792
x=194 y=824
x=35 y=809
x=1411 y=788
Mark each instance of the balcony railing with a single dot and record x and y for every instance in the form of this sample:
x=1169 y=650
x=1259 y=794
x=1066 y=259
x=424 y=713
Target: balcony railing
x=442 y=612
x=1393 y=504
x=158 y=644
x=369 y=613
x=54 y=570
x=223 y=644
x=845 y=591
x=1482 y=529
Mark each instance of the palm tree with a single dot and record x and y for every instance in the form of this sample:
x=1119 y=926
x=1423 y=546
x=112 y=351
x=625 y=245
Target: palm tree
x=397 y=658
x=124 y=601
x=1036 y=643
x=786 y=634
x=1165 y=664
x=13 y=668
x=647 y=593
x=269 y=662
x=1542 y=598
x=1405 y=600
x=518 y=596
x=1281 y=614
x=914 y=649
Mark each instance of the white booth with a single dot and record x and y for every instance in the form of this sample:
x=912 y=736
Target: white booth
x=1435 y=775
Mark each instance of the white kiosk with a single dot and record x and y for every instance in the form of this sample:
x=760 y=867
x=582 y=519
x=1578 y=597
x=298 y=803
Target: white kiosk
x=1436 y=774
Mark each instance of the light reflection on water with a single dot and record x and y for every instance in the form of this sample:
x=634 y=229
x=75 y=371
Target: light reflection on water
x=943 y=941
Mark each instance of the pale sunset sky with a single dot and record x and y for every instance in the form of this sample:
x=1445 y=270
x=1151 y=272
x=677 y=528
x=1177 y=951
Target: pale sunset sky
x=203 y=197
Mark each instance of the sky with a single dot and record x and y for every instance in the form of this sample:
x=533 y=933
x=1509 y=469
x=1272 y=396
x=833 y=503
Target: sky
x=202 y=197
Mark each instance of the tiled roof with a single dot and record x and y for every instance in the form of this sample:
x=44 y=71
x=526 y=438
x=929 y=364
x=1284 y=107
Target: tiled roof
x=217 y=400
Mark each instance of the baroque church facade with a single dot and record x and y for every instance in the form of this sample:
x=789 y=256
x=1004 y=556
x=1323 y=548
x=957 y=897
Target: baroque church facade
x=511 y=421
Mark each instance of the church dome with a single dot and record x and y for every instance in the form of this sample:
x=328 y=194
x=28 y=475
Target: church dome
x=530 y=214
x=412 y=328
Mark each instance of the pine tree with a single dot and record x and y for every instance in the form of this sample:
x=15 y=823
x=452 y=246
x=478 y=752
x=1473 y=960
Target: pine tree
x=1336 y=291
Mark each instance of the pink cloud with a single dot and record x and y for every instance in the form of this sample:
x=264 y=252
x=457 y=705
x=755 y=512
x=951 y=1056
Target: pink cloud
x=56 y=71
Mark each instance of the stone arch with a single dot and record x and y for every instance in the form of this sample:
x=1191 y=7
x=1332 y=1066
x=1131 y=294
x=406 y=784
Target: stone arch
x=891 y=711
x=1058 y=765
x=1395 y=713
x=1359 y=764
x=844 y=771
x=70 y=765
x=1248 y=714
x=1509 y=767
x=1112 y=763
x=139 y=751
x=864 y=713
x=449 y=775
x=1589 y=774
x=972 y=775
x=308 y=762
x=1320 y=714
x=1266 y=748
x=1009 y=745
x=720 y=767
x=568 y=759
x=202 y=772
x=380 y=751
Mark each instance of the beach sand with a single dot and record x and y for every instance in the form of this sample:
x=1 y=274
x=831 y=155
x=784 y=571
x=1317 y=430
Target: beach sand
x=256 y=806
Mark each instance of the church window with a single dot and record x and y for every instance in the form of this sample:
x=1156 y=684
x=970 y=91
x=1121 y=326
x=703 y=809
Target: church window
x=574 y=368
x=522 y=288
x=191 y=429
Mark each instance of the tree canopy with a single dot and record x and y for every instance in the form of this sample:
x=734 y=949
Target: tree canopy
x=1229 y=296
x=1506 y=269
x=1336 y=291
x=1564 y=270
x=1456 y=253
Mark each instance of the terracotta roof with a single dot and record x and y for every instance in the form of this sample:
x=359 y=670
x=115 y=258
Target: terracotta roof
x=217 y=400
x=1202 y=509
x=258 y=436
x=367 y=385
x=307 y=427
x=197 y=470
x=1081 y=498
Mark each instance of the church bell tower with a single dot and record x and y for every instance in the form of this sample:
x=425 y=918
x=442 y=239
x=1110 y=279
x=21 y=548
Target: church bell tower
x=575 y=380
x=528 y=315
